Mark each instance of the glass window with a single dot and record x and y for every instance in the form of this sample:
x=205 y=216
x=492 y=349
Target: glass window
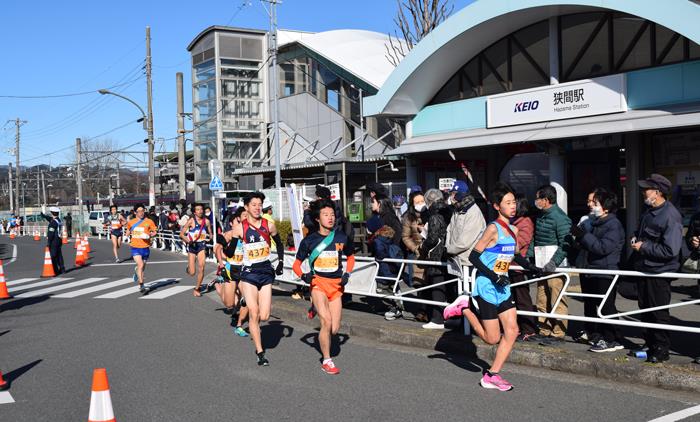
x=631 y=42
x=584 y=46
x=228 y=72
x=334 y=99
x=530 y=56
x=240 y=89
x=204 y=71
x=205 y=151
x=694 y=50
x=240 y=150
x=204 y=91
x=204 y=110
x=494 y=68
x=202 y=171
x=669 y=45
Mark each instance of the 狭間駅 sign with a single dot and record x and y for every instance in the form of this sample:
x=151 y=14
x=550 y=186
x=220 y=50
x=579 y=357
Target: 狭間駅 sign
x=569 y=100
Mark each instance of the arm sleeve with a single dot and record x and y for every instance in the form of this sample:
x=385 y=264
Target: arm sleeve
x=475 y=259
x=669 y=246
x=433 y=237
x=350 y=265
x=466 y=237
x=406 y=235
x=523 y=262
x=610 y=241
x=562 y=231
x=278 y=245
x=296 y=267
x=525 y=232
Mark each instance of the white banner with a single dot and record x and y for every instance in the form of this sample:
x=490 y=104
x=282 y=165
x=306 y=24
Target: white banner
x=562 y=101
x=296 y=214
x=445 y=183
x=335 y=191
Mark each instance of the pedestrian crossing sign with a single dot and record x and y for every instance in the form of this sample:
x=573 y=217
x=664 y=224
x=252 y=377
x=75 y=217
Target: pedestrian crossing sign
x=216 y=184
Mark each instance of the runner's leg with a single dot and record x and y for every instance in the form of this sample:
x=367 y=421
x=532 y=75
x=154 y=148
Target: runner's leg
x=324 y=315
x=250 y=293
x=190 y=264
x=509 y=321
x=228 y=296
x=201 y=260
x=140 y=266
x=114 y=245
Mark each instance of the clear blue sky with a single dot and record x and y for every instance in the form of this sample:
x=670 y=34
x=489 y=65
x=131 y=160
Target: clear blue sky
x=56 y=47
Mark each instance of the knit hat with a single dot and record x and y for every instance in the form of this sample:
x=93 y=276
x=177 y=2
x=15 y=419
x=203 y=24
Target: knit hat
x=374 y=223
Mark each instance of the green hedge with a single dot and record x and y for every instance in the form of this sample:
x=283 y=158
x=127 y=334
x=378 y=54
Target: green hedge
x=284 y=228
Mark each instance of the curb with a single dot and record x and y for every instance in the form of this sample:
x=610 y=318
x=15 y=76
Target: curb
x=615 y=367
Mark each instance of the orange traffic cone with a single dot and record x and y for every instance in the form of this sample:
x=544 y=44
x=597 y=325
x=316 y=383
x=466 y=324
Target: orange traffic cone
x=79 y=257
x=48 y=266
x=36 y=235
x=12 y=234
x=86 y=245
x=77 y=240
x=100 y=400
x=64 y=238
x=4 y=385
x=4 y=294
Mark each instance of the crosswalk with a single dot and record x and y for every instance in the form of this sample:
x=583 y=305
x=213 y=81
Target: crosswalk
x=102 y=287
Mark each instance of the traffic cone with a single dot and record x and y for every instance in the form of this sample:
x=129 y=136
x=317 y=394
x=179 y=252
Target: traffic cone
x=12 y=234
x=36 y=235
x=4 y=385
x=77 y=240
x=4 y=294
x=48 y=266
x=64 y=238
x=86 y=245
x=100 y=400
x=79 y=257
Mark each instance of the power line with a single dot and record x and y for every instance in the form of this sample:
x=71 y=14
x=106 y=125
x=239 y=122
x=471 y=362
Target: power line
x=73 y=94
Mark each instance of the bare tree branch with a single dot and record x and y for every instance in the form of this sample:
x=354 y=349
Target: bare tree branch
x=425 y=15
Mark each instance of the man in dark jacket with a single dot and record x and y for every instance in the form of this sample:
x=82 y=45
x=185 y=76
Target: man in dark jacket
x=656 y=246
x=68 y=219
x=552 y=229
x=54 y=242
x=341 y=222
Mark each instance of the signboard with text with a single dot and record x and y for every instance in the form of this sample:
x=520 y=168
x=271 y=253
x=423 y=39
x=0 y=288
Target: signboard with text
x=569 y=100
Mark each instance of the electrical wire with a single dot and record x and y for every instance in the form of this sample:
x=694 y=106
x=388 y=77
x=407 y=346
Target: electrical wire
x=73 y=94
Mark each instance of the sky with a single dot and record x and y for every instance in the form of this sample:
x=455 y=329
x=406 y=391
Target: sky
x=79 y=46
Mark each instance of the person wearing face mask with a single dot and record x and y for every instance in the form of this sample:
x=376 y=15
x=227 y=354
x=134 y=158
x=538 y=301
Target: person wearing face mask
x=656 y=245
x=603 y=245
x=466 y=225
x=411 y=227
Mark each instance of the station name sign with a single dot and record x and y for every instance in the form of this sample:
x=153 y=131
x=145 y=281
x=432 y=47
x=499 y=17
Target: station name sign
x=569 y=100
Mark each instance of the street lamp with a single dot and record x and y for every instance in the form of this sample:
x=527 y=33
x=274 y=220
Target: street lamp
x=149 y=140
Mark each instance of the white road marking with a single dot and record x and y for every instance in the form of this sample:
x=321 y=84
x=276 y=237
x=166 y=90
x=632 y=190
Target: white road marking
x=681 y=414
x=61 y=287
x=14 y=255
x=6 y=397
x=167 y=292
x=132 y=263
x=20 y=281
x=43 y=283
x=93 y=289
x=129 y=290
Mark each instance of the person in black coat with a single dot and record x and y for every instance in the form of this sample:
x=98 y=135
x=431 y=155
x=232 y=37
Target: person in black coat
x=54 y=241
x=341 y=222
x=603 y=245
x=68 y=220
x=384 y=208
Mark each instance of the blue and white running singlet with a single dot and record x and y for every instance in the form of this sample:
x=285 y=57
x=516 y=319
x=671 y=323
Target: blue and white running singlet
x=497 y=258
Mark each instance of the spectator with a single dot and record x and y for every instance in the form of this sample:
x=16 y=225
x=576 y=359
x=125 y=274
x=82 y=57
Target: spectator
x=375 y=189
x=411 y=227
x=381 y=247
x=341 y=222
x=382 y=206
x=603 y=245
x=656 y=246
x=174 y=226
x=527 y=325
x=290 y=243
x=163 y=227
x=433 y=249
x=692 y=242
x=68 y=219
x=466 y=225
x=552 y=229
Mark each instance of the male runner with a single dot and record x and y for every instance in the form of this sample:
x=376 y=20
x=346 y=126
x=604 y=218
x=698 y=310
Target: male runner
x=195 y=233
x=142 y=231
x=492 y=256
x=115 y=221
x=324 y=249
x=257 y=274
x=229 y=254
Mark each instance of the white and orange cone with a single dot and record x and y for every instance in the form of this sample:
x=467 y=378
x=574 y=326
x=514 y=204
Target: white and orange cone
x=64 y=237
x=86 y=246
x=36 y=235
x=100 y=400
x=4 y=385
x=48 y=266
x=4 y=294
x=79 y=256
x=77 y=240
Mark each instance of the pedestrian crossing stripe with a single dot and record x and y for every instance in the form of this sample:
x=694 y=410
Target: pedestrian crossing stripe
x=68 y=288
x=20 y=281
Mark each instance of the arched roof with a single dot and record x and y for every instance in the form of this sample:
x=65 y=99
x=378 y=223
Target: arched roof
x=466 y=33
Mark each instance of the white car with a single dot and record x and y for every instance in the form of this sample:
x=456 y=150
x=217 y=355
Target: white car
x=96 y=221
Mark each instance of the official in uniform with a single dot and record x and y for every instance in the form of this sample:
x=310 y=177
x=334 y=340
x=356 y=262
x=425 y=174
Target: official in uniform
x=54 y=240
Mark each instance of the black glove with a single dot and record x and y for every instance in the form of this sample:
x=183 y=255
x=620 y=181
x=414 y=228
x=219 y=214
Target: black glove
x=550 y=267
x=344 y=279
x=307 y=278
x=502 y=280
x=280 y=268
x=536 y=272
x=577 y=231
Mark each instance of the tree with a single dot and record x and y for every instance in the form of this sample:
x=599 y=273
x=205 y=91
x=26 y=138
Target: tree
x=414 y=20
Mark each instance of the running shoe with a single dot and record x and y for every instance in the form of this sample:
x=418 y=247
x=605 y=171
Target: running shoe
x=311 y=313
x=603 y=346
x=495 y=382
x=241 y=303
x=392 y=314
x=581 y=337
x=296 y=295
x=330 y=368
x=262 y=360
x=117 y=260
x=454 y=309
x=529 y=338
x=433 y=326
x=210 y=286
x=240 y=332
x=143 y=289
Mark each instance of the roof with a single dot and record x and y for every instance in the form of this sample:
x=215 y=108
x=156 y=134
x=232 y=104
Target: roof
x=362 y=53
x=469 y=31
x=223 y=29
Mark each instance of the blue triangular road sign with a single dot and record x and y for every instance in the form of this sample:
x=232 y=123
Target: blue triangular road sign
x=216 y=184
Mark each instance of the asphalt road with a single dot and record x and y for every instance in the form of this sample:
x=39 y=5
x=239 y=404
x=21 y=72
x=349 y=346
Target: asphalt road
x=175 y=358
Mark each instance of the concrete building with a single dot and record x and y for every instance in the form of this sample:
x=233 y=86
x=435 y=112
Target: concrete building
x=582 y=93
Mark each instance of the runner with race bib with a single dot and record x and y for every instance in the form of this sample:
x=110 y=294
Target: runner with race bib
x=324 y=250
x=141 y=230
x=195 y=233
x=114 y=222
x=492 y=257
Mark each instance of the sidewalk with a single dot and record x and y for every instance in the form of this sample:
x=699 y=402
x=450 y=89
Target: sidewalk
x=677 y=374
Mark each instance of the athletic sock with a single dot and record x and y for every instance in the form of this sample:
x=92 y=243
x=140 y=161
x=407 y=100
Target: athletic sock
x=491 y=374
x=326 y=361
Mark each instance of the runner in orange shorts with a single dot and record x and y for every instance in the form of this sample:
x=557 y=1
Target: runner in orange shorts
x=324 y=250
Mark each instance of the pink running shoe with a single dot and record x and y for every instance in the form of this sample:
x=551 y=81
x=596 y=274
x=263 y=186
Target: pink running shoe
x=495 y=382
x=454 y=309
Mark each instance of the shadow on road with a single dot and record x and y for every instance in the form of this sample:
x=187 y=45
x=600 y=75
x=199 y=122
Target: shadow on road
x=272 y=333
x=21 y=303
x=13 y=375
x=311 y=340
x=4 y=332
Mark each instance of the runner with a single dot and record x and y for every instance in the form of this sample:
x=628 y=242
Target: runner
x=257 y=274
x=114 y=221
x=492 y=256
x=142 y=231
x=195 y=233
x=324 y=249
x=229 y=254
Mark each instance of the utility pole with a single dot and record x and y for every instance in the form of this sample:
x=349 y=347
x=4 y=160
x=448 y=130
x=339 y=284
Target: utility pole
x=181 y=160
x=18 y=123
x=275 y=90
x=119 y=186
x=43 y=187
x=38 y=191
x=79 y=176
x=12 y=199
x=149 y=93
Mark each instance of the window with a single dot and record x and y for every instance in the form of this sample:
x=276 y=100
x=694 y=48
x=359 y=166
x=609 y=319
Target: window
x=204 y=91
x=239 y=150
x=205 y=151
x=204 y=71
